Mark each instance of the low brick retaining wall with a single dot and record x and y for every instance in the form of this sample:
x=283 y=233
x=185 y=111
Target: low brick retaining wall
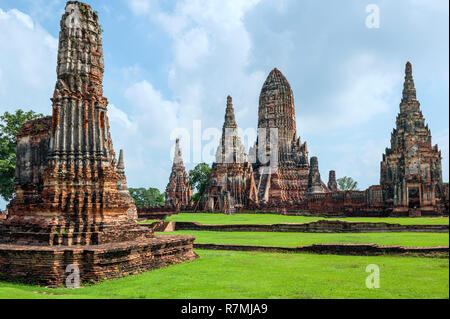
x=150 y=214
x=321 y=226
x=46 y=265
x=336 y=249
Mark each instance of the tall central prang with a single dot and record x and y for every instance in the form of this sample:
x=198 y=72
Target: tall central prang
x=287 y=179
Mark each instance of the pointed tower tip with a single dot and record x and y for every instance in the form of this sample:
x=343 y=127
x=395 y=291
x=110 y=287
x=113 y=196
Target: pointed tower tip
x=87 y=6
x=277 y=74
x=277 y=78
x=409 y=91
x=230 y=121
x=408 y=68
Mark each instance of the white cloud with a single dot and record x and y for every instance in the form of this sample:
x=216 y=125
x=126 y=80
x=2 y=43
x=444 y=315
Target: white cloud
x=370 y=88
x=120 y=118
x=27 y=63
x=140 y=7
x=22 y=17
x=155 y=116
x=192 y=48
x=211 y=49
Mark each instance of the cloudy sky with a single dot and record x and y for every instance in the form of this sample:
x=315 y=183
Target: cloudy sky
x=171 y=64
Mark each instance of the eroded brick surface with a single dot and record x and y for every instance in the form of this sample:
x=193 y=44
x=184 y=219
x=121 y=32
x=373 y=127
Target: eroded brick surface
x=71 y=202
x=231 y=184
x=411 y=172
x=288 y=181
x=178 y=190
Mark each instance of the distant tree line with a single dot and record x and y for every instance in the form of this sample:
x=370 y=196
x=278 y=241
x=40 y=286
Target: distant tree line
x=10 y=124
x=147 y=197
x=198 y=178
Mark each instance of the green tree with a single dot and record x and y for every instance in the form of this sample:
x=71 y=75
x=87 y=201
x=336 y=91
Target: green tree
x=198 y=177
x=147 y=197
x=10 y=124
x=347 y=184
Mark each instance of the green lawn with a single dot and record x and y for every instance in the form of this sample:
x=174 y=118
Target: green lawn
x=300 y=239
x=219 y=274
x=205 y=218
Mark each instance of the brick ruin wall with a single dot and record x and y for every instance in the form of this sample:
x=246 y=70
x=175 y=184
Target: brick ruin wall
x=322 y=226
x=47 y=265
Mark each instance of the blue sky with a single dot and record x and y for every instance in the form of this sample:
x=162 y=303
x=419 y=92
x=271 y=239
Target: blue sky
x=170 y=63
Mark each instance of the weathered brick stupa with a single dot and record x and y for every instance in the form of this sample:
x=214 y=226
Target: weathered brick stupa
x=178 y=190
x=286 y=180
x=71 y=203
x=332 y=183
x=315 y=184
x=231 y=185
x=411 y=172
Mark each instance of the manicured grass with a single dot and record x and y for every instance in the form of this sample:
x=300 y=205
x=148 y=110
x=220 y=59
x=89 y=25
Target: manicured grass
x=300 y=239
x=205 y=218
x=218 y=274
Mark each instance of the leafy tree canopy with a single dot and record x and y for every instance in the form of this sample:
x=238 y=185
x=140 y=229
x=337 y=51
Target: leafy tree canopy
x=347 y=184
x=147 y=197
x=10 y=124
x=198 y=177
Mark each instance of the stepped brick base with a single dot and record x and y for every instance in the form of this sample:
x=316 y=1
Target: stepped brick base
x=46 y=265
x=146 y=213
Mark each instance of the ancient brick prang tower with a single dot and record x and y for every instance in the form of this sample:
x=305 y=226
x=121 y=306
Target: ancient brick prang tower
x=179 y=190
x=332 y=184
x=72 y=184
x=231 y=185
x=315 y=184
x=71 y=203
x=411 y=172
x=285 y=176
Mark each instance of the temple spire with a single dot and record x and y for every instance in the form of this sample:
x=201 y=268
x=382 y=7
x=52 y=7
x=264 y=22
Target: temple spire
x=230 y=120
x=178 y=190
x=409 y=91
x=231 y=149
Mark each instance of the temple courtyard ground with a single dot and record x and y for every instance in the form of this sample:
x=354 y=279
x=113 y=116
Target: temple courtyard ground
x=303 y=239
x=204 y=218
x=238 y=274
x=219 y=274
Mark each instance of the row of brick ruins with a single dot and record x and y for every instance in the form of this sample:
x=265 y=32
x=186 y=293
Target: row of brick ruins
x=410 y=179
